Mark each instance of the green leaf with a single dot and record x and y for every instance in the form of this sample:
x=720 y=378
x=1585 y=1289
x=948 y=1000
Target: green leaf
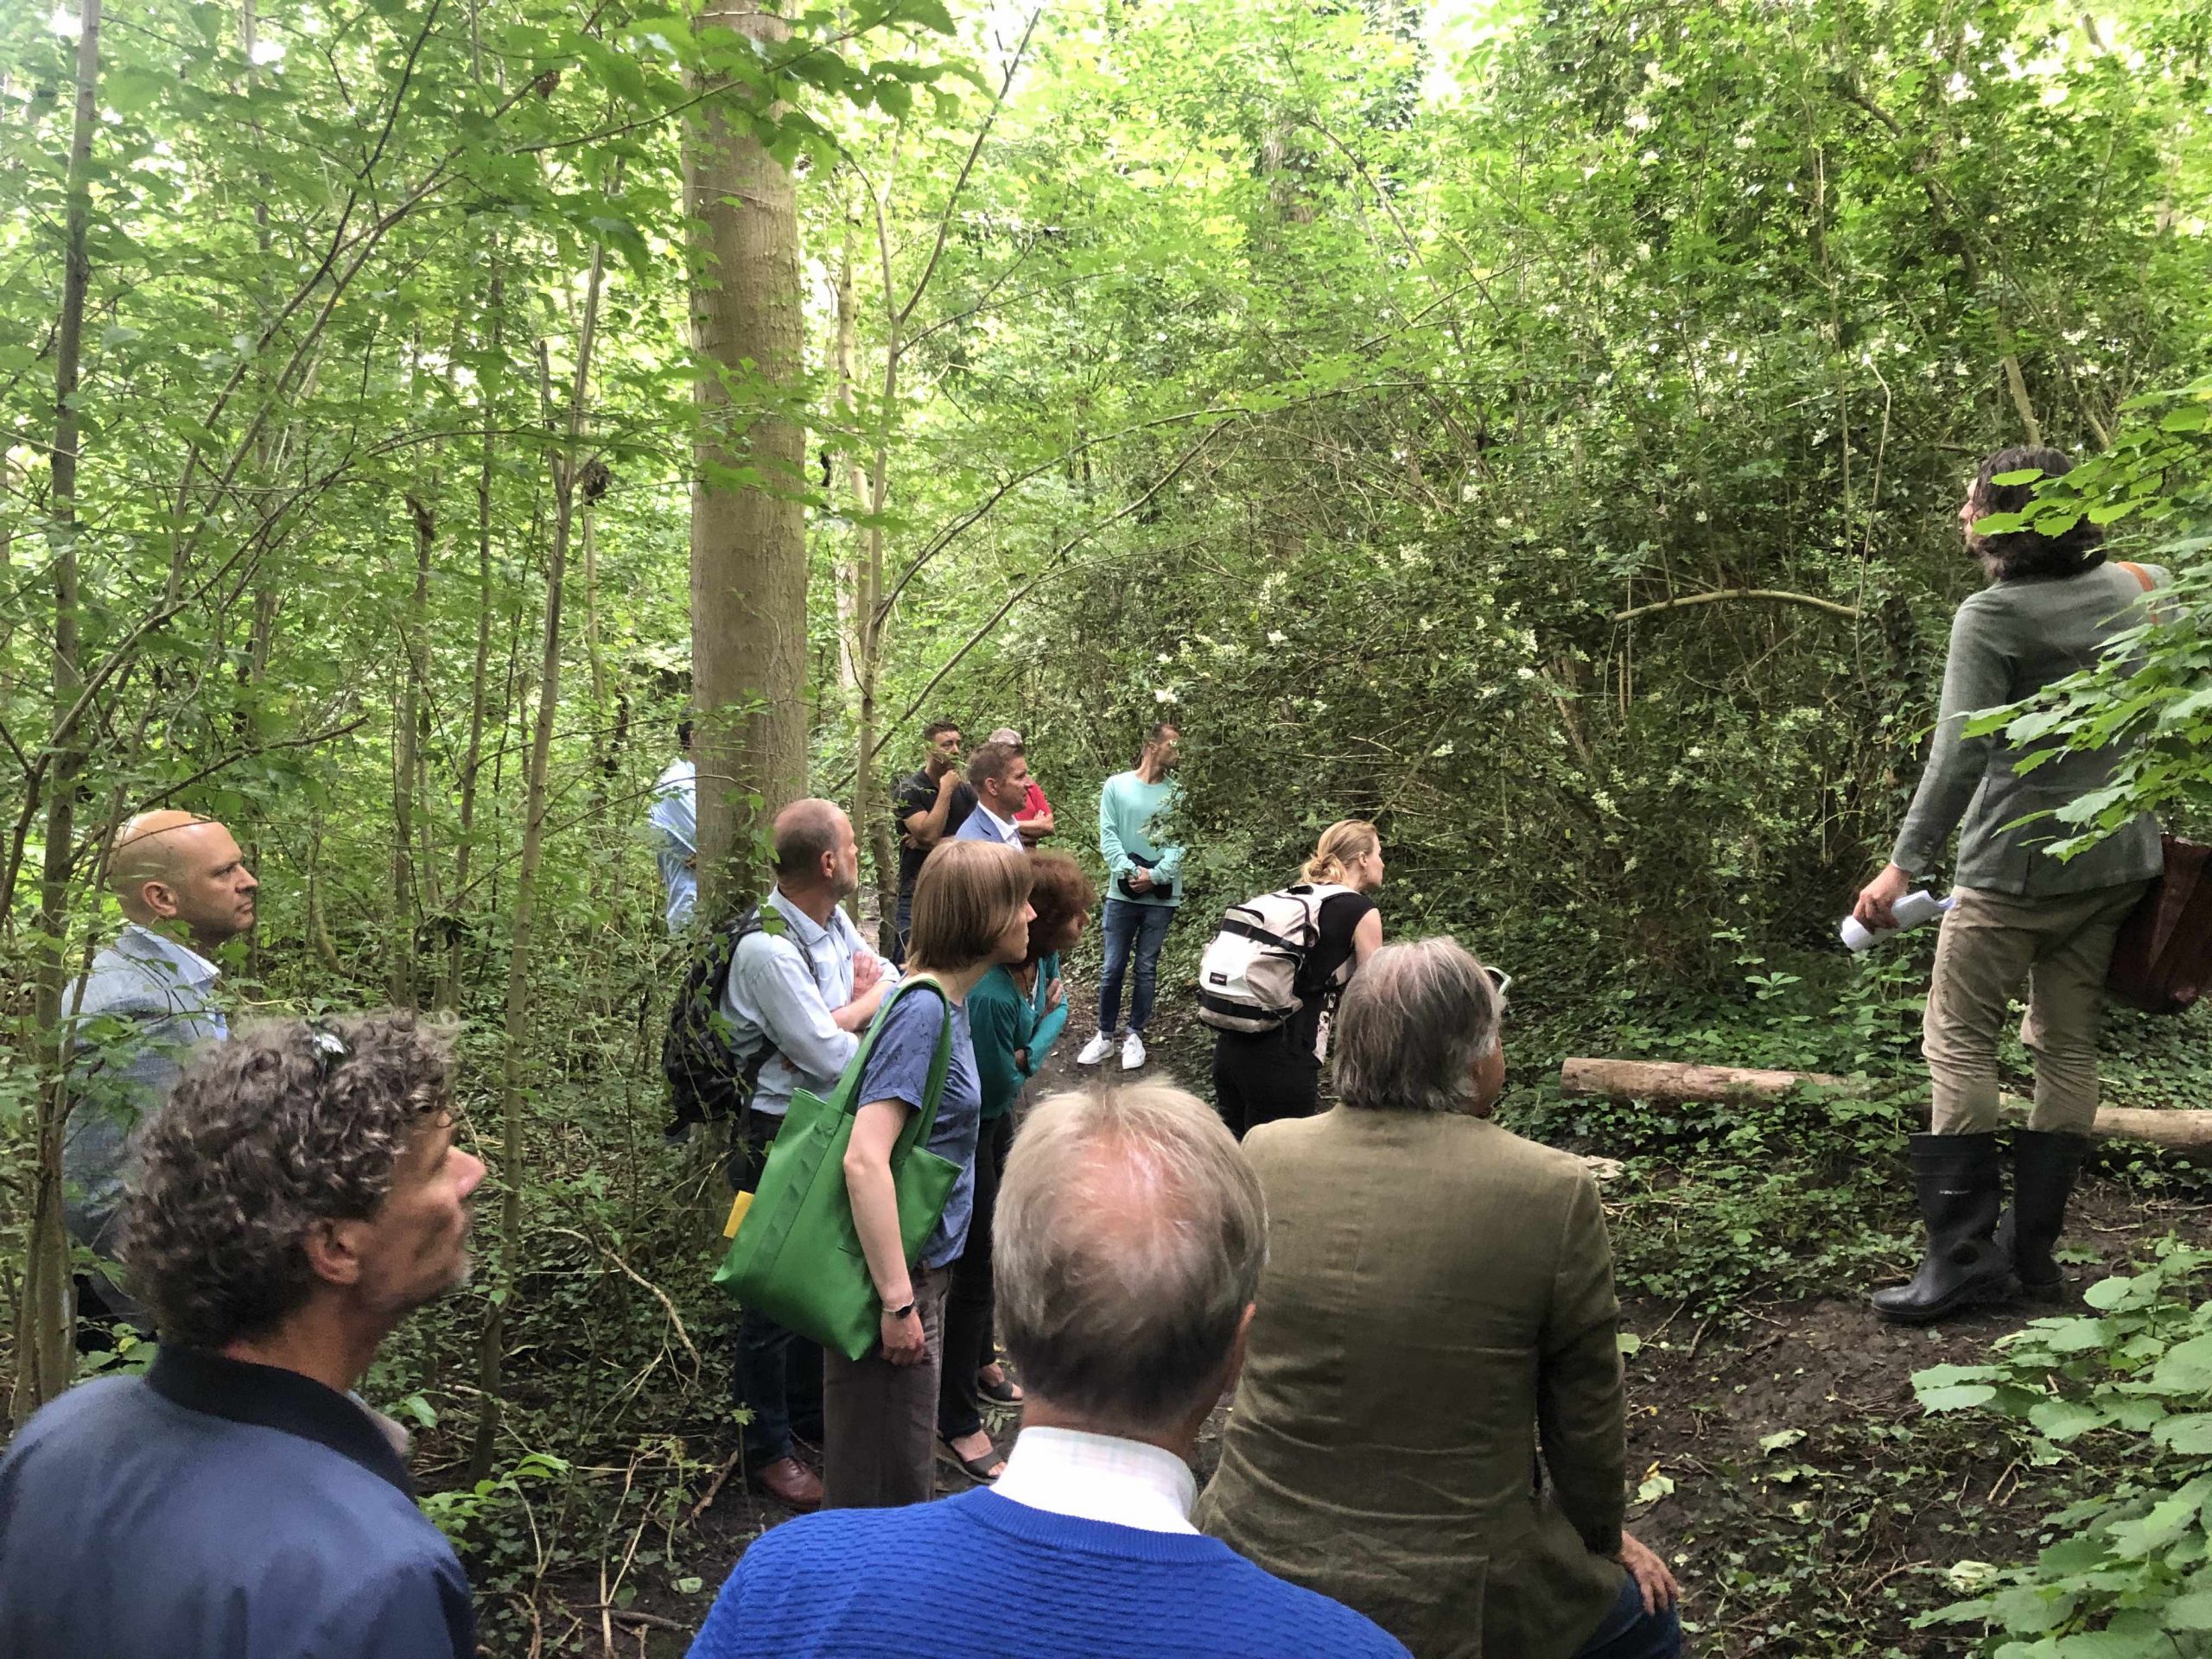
x=2063 y=1419
x=2113 y=1644
x=2190 y=1435
x=2030 y=1610
x=2186 y=1367
x=2189 y=417
x=2072 y=1336
x=1957 y=1397
x=2022 y=475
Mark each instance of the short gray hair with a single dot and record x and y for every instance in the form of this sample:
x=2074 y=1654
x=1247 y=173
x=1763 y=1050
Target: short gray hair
x=284 y=1125
x=1129 y=1240
x=805 y=832
x=1411 y=1026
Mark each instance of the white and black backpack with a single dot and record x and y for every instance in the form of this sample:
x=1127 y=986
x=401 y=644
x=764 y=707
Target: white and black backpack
x=1249 y=979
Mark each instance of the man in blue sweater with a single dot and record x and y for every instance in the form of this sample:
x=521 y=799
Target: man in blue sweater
x=1129 y=1236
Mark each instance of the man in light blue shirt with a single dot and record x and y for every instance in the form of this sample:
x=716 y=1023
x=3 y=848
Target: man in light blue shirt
x=148 y=1001
x=805 y=986
x=998 y=773
x=673 y=817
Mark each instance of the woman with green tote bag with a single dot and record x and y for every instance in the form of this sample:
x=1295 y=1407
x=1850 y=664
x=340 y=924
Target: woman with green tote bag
x=971 y=911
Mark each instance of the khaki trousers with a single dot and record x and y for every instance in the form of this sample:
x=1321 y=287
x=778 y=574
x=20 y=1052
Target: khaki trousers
x=879 y=1421
x=2062 y=946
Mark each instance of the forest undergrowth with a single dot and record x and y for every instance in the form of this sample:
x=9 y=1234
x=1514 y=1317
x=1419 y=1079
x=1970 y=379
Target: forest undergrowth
x=1811 y=1501
x=1538 y=428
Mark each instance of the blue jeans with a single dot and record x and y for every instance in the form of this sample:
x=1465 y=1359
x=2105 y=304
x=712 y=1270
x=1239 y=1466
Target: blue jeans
x=1143 y=926
x=1628 y=1632
x=905 y=926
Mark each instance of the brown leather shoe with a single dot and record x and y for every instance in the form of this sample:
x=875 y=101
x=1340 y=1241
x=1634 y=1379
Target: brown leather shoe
x=791 y=1483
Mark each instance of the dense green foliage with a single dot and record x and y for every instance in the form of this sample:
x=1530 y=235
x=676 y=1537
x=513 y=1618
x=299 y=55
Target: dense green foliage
x=1539 y=428
x=2132 y=1565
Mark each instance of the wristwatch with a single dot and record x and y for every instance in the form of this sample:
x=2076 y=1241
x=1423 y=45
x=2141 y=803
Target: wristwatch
x=899 y=1312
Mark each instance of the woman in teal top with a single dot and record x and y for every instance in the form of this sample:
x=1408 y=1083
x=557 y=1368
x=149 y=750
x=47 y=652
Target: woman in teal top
x=1014 y=1015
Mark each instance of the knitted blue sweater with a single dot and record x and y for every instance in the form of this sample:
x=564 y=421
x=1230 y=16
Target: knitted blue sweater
x=982 y=1577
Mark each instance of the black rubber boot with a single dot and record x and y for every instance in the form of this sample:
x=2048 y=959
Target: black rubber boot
x=2044 y=1166
x=1960 y=1179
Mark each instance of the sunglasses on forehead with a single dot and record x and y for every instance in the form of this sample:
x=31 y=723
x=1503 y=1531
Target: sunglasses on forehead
x=1499 y=981
x=330 y=1051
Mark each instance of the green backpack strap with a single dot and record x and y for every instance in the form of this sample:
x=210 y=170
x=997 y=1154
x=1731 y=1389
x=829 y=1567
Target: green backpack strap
x=847 y=1100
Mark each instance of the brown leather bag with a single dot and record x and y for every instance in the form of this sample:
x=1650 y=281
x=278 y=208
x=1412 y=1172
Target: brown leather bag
x=2162 y=961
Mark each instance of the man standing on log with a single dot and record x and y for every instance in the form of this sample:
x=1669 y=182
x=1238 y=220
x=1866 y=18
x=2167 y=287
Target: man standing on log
x=2052 y=605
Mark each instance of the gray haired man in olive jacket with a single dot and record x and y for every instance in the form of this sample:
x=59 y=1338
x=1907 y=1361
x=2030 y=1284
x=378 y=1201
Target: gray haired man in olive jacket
x=2052 y=606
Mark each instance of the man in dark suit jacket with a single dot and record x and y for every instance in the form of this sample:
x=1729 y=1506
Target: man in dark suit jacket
x=299 y=1194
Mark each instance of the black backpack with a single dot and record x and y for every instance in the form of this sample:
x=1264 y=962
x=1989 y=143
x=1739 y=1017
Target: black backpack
x=707 y=1078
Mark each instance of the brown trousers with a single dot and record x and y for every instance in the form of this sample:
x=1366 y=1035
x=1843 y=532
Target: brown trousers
x=879 y=1421
x=2062 y=946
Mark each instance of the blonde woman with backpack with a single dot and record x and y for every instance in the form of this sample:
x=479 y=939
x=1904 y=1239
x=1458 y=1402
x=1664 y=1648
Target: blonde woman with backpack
x=1259 y=1077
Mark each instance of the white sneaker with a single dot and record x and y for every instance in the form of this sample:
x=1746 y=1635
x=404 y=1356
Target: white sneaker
x=1096 y=1049
x=1132 y=1052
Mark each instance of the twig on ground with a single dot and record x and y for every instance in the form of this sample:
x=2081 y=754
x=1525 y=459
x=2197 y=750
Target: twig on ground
x=632 y=1615
x=1698 y=1341
x=714 y=1487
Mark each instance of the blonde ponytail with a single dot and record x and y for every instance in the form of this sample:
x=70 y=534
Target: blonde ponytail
x=1342 y=845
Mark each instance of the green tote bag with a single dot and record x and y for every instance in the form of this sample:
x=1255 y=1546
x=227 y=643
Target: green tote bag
x=796 y=1256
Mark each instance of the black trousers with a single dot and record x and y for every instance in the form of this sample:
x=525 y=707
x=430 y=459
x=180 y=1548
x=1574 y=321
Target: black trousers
x=969 y=1309
x=1257 y=1079
x=778 y=1377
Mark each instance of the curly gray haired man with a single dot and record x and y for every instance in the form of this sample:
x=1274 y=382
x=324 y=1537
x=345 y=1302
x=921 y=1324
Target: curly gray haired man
x=297 y=1196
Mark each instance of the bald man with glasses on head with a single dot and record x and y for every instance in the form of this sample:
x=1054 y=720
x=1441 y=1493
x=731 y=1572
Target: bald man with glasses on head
x=148 y=1000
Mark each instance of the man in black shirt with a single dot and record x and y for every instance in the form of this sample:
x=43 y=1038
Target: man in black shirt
x=930 y=805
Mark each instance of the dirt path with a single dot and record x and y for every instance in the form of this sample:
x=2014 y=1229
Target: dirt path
x=1813 y=1507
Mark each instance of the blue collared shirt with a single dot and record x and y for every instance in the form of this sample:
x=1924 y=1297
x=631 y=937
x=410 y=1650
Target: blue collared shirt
x=215 y=1509
x=673 y=817
x=983 y=824
x=146 y=1004
x=773 y=989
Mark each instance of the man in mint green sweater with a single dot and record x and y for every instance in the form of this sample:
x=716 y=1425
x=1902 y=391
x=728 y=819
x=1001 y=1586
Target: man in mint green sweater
x=1143 y=888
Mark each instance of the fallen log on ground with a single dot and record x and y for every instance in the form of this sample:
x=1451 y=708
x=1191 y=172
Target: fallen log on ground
x=1671 y=1083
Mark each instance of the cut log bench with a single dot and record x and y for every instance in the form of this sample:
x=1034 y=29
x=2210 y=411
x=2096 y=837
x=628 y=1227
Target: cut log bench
x=1672 y=1083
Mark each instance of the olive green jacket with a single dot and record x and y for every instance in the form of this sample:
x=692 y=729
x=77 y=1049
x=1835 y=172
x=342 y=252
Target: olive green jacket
x=2009 y=641
x=1437 y=1304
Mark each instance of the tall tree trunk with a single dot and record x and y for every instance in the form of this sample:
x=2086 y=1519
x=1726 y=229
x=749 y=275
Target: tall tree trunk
x=492 y=1354
x=472 y=761
x=46 y=1319
x=860 y=634
x=406 y=750
x=749 y=528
